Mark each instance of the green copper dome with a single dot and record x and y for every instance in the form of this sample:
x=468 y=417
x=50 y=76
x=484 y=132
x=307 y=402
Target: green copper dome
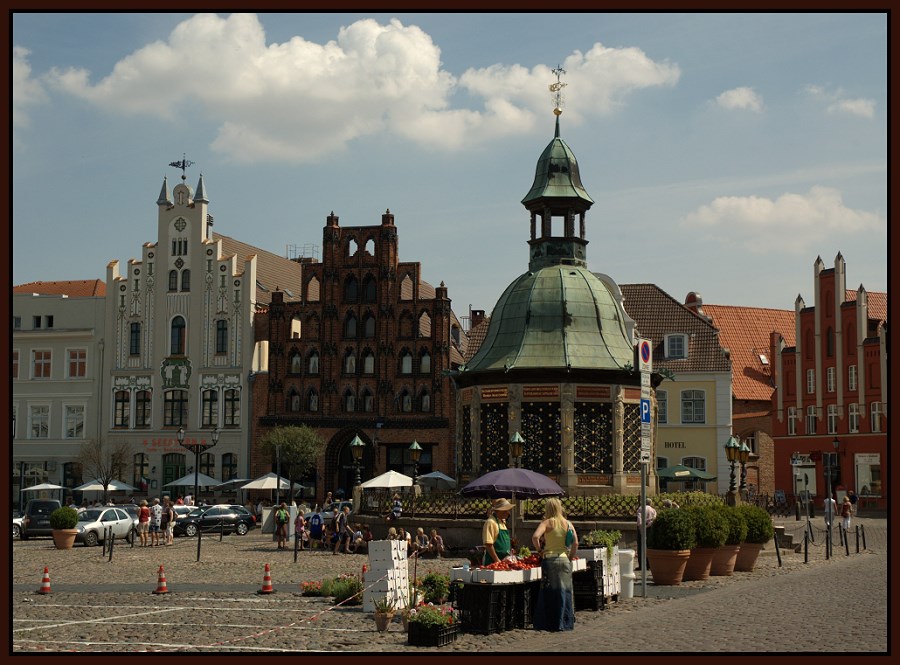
x=556 y=175
x=557 y=317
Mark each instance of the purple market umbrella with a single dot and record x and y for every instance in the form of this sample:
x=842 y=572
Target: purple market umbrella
x=507 y=483
x=512 y=482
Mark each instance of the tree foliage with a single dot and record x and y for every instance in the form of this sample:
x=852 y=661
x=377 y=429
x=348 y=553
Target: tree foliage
x=104 y=463
x=298 y=448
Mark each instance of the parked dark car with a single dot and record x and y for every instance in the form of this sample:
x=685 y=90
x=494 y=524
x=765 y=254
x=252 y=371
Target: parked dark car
x=36 y=521
x=210 y=519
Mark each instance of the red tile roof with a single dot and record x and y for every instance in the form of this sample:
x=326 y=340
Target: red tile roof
x=744 y=331
x=877 y=302
x=72 y=288
x=476 y=337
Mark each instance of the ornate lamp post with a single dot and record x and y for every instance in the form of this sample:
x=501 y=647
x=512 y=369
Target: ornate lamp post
x=198 y=447
x=516 y=448
x=357 y=447
x=415 y=451
x=744 y=457
x=732 y=452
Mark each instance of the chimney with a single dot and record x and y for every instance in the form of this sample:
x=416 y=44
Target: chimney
x=476 y=318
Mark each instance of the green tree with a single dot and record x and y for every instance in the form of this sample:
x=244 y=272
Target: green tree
x=104 y=463
x=297 y=448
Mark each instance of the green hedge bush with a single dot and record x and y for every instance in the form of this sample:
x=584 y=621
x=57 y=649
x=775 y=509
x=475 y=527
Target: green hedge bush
x=710 y=526
x=672 y=530
x=759 y=524
x=63 y=518
x=737 y=526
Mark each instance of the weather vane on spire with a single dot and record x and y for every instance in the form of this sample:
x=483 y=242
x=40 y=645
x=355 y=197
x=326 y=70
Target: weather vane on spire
x=556 y=89
x=184 y=163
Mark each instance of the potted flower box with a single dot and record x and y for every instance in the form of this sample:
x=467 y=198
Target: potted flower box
x=432 y=626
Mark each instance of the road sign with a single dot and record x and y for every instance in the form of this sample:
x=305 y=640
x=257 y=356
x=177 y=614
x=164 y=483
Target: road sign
x=645 y=411
x=645 y=355
x=645 y=442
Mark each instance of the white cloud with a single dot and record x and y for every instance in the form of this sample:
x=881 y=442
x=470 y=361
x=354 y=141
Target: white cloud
x=741 y=98
x=792 y=222
x=838 y=103
x=296 y=100
x=26 y=91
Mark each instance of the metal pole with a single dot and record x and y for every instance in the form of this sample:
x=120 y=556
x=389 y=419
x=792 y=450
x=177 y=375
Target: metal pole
x=805 y=547
x=857 y=538
x=862 y=528
x=643 y=533
x=777 y=549
x=197 y=476
x=278 y=481
x=846 y=543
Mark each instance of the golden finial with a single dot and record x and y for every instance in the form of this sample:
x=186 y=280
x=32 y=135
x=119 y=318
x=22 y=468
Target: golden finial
x=556 y=89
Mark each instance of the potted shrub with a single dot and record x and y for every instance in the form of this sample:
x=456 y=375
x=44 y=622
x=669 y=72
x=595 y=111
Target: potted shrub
x=711 y=530
x=432 y=626
x=384 y=613
x=759 y=532
x=347 y=590
x=599 y=538
x=435 y=587
x=63 y=521
x=669 y=543
x=725 y=557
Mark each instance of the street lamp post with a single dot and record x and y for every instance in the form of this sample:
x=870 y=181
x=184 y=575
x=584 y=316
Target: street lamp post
x=516 y=448
x=198 y=447
x=415 y=451
x=732 y=453
x=744 y=457
x=357 y=447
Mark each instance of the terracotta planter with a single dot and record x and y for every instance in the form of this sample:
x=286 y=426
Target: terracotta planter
x=746 y=558
x=723 y=560
x=699 y=563
x=667 y=566
x=383 y=620
x=64 y=538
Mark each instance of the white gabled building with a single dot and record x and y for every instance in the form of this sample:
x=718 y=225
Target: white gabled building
x=180 y=343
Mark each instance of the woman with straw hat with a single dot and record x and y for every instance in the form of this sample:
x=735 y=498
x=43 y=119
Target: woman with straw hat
x=494 y=533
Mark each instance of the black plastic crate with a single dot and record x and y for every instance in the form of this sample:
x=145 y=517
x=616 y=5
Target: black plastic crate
x=483 y=607
x=588 y=602
x=431 y=636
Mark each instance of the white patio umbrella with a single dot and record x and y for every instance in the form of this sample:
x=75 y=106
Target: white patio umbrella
x=388 y=480
x=436 y=480
x=42 y=487
x=234 y=484
x=188 y=481
x=270 y=481
x=97 y=486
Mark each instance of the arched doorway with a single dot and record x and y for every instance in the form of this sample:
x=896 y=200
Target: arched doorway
x=340 y=470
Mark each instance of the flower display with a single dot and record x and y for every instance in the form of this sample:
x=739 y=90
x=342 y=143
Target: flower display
x=432 y=615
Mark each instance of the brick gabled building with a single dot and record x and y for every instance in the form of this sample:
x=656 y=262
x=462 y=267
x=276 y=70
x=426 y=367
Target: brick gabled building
x=831 y=387
x=363 y=352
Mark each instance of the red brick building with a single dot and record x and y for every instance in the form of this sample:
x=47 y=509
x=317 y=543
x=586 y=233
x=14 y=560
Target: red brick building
x=363 y=353
x=831 y=387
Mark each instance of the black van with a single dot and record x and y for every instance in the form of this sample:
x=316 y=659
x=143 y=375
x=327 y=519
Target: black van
x=36 y=520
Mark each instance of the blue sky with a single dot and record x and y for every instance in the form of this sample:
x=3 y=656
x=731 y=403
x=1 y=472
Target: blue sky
x=724 y=152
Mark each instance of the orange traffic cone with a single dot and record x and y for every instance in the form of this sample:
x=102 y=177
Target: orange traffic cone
x=267 y=583
x=45 y=582
x=161 y=584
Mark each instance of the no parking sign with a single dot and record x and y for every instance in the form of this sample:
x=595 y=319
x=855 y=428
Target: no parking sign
x=645 y=356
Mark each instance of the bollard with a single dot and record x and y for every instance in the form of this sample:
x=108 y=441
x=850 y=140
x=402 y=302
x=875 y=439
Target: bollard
x=846 y=544
x=841 y=535
x=797 y=509
x=806 y=547
x=112 y=542
x=134 y=536
x=777 y=549
x=862 y=528
x=857 y=538
x=827 y=545
x=199 y=534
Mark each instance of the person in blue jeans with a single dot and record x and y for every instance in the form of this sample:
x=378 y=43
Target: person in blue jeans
x=555 y=607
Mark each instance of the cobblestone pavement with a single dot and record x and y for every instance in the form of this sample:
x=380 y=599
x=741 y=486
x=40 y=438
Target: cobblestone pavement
x=212 y=606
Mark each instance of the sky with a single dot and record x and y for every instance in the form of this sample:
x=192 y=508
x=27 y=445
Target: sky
x=725 y=152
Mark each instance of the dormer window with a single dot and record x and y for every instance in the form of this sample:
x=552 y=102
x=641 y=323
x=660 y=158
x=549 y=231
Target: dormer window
x=676 y=346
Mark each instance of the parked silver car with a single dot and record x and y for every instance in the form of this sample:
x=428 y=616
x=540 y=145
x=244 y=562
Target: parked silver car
x=94 y=524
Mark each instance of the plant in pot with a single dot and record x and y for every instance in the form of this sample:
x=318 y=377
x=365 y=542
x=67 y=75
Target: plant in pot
x=435 y=587
x=725 y=556
x=431 y=625
x=599 y=538
x=711 y=529
x=669 y=543
x=63 y=521
x=759 y=532
x=384 y=613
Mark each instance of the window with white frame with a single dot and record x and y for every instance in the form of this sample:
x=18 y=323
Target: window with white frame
x=122 y=412
x=832 y=418
x=811 y=420
x=232 y=408
x=40 y=364
x=792 y=420
x=143 y=402
x=851 y=377
x=876 y=416
x=210 y=408
x=39 y=421
x=77 y=363
x=693 y=406
x=829 y=379
x=853 y=417
x=662 y=406
x=810 y=381
x=676 y=346
x=74 y=422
